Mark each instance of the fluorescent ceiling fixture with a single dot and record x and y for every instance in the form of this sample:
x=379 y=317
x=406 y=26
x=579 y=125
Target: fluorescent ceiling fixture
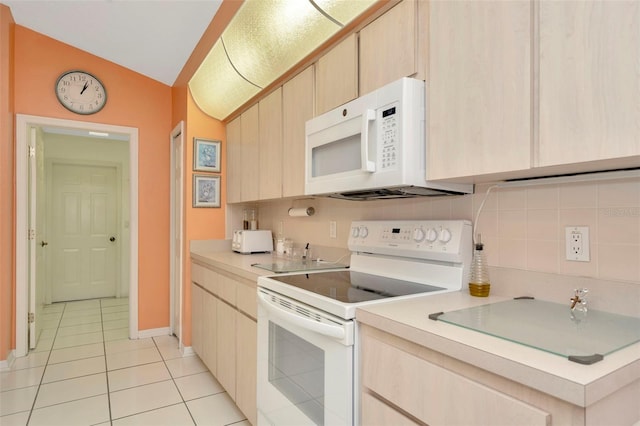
x=262 y=42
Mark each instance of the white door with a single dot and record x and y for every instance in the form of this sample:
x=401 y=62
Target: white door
x=83 y=233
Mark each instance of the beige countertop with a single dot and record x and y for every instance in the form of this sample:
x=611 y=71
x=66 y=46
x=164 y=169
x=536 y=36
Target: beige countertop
x=217 y=253
x=578 y=384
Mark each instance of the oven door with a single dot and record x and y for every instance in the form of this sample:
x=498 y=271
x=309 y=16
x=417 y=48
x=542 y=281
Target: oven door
x=305 y=364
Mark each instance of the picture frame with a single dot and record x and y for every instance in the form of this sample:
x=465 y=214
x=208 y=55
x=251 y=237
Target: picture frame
x=206 y=155
x=206 y=191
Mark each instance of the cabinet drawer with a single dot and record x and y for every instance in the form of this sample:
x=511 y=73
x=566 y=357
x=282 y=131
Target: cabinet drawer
x=247 y=298
x=376 y=412
x=197 y=273
x=435 y=395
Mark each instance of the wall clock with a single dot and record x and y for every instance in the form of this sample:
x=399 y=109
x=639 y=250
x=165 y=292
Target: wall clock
x=81 y=92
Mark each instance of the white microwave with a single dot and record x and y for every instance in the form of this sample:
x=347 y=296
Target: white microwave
x=373 y=147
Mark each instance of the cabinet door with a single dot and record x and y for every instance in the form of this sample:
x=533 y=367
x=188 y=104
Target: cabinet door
x=337 y=75
x=234 y=161
x=589 y=80
x=250 y=153
x=226 y=347
x=271 y=146
x=196 y=318
x=479 y=88
x=297 y=108
x=209 y=331
x=388 y=47
x=247 y=350
x=203 y=326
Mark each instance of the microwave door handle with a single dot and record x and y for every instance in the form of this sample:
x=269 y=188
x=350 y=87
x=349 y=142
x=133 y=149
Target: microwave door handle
x=367 y=165
x=335 y=331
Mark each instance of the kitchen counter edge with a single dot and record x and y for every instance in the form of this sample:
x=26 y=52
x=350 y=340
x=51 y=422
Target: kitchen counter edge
x=581 y=385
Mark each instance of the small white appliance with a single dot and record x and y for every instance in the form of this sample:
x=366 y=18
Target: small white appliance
x=307 y=336
x=373 y=147
x=247 y=242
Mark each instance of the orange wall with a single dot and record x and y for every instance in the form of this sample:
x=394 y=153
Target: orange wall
x=7 y=27
x=133 y=100
x=200 y=223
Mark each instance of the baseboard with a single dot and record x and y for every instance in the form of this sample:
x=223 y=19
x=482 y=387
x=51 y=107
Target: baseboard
x=7 y=363
x=187 y=351
x=154 y=332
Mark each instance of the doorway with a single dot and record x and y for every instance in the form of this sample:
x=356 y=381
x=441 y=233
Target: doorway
x=27 y=197
x=176 y=243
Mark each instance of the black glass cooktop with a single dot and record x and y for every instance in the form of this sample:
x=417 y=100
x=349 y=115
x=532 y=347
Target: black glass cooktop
x=354 y=287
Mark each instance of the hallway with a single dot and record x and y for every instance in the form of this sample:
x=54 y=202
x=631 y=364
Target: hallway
x=85 y=371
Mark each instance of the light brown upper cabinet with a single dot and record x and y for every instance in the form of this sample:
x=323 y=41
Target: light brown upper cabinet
x=479 y=88
x=389 y=46
x=337 y=75
x=234 y=160
x=270 y=137
x=490 y=116
x=250 y=165
x=589 y=81
x=297 y=108
x=243 y=157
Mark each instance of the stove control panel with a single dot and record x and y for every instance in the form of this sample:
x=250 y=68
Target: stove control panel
x=442 y=240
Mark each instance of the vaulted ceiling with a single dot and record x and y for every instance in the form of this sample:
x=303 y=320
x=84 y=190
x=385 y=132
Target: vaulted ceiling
x=152 y=37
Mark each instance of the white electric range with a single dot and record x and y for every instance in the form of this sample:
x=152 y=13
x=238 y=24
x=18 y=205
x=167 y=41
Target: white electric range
x=307 y=342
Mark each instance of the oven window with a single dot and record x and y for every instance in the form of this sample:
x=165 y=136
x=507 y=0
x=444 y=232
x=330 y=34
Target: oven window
x=296 y=369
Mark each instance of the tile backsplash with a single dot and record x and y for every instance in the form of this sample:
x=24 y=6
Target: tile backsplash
x=523 y=228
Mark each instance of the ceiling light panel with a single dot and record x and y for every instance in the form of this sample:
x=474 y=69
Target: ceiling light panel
x=217 y=88
x=264 y=40
x=267 y=37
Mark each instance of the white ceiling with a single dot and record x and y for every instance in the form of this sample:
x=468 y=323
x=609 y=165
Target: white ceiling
x=152 y=37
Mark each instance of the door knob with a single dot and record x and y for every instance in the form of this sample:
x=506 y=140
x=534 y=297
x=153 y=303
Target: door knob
x=112 y=239
x=44 y=243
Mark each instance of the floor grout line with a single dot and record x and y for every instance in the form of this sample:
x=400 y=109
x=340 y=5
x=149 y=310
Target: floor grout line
x=167 y=357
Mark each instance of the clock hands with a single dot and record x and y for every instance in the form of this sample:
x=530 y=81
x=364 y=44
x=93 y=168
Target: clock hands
x=84 y=88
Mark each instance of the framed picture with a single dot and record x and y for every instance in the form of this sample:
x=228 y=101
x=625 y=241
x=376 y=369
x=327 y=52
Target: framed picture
x=206 y=191
x=206 y=155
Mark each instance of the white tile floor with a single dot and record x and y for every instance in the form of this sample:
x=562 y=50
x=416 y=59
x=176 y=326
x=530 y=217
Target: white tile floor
x=85 y=371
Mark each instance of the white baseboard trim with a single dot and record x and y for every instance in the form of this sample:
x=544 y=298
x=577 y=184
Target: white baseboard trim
x=187 y=351
x=7 y=363
x=154 y=332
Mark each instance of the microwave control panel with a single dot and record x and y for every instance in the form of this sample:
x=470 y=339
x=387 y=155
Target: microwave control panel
x=389 y=130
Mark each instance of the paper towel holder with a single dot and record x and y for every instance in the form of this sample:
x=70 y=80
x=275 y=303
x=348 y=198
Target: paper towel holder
x=302 y=212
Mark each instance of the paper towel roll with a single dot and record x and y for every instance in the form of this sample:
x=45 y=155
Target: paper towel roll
x=305 y=211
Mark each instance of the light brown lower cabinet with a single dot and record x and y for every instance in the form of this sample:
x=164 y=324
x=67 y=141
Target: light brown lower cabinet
x=224 y=332
x=403 y=386
x=404 y=383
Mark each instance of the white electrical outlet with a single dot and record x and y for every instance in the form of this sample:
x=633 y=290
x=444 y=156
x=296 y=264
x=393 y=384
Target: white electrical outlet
x=577 y=243
x=333 y=229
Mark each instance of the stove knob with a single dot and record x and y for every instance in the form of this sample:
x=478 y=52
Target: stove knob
x=418 y=235
x=355 y=232
x=431 y=235
x=364 y=232
x=445 y=236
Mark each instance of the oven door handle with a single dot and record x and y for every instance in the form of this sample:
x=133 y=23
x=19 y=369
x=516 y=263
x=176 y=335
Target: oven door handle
x=335 y=331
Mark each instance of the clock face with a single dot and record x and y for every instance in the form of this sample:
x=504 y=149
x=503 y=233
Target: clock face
x=80 y=92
